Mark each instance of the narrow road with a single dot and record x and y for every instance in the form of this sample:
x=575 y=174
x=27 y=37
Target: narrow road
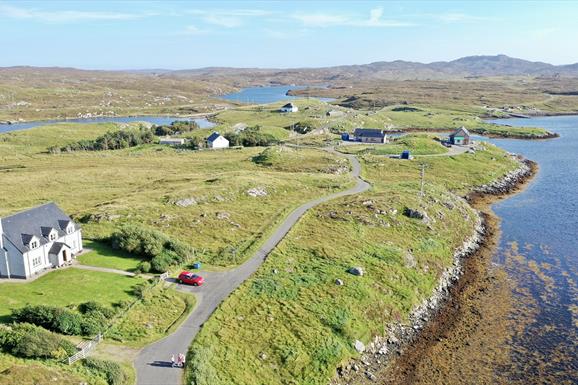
x=153 y=363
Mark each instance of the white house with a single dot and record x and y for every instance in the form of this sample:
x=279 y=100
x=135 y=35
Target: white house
x=217 y=140
x=40 y=238
x=172 y=141
x=289 y=107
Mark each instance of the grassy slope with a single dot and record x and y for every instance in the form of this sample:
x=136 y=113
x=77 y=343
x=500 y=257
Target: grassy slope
x=153 y=317
x=290 y=323
x=66 y=287
x=103 y=255
x=141 y=184
x=14 y=371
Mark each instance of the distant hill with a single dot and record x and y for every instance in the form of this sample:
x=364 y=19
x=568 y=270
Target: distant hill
x=471 y=66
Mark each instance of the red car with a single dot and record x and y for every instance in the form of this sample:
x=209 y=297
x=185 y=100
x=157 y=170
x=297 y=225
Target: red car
x=191 y=278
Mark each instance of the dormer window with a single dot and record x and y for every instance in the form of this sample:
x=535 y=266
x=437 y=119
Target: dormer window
x=33 y=244
x=70 y=229
x=52 y=236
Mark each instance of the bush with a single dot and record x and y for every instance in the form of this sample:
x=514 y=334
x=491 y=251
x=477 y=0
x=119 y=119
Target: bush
x=109 y=370
x=251 y=137
x=162 y=251
x=176 y=127
x=30 y=341
x=113 y=140
x=88 y=322
x=144 y=267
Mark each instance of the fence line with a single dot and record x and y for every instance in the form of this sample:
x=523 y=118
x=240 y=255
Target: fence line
x=85 y=349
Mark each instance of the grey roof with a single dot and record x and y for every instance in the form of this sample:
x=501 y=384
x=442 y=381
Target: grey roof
x=213 y=137
x=21 y=227
x=56 y=247
x=461 y=132
x=369 y=133
x=288 y=105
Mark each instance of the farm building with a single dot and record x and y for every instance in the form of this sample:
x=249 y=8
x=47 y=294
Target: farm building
x=37 y=239
x=172 y=141
x=370 y=135
x=217 y=140
x=460 y=137
x=289 y=107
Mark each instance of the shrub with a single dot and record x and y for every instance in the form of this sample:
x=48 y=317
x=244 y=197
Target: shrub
x=251 y=137
x=162 y=251
x=113 y=140
x=89 y=321
x=144 y=267
x=30 y=341
x=109 y=370
x=176 y=127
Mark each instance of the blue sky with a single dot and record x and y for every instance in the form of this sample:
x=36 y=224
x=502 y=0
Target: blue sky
x=192 y=34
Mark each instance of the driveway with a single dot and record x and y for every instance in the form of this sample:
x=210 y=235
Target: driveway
x=153 y=363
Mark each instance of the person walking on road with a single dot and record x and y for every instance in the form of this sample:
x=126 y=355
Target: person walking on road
x=173 y=361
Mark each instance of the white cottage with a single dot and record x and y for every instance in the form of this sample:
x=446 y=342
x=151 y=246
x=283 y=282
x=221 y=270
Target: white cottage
x=40 y=238
x=289 y=107
x=217 y=140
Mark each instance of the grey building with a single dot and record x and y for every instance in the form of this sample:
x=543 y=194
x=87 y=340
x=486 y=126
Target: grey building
x=37 y=239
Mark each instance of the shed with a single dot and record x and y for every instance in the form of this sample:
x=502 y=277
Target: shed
x=460 y=137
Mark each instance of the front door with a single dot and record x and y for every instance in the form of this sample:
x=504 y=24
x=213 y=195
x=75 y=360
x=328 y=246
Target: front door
x=64 y=255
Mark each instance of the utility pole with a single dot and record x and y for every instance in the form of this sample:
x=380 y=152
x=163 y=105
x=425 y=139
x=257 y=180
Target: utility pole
x=422 y=177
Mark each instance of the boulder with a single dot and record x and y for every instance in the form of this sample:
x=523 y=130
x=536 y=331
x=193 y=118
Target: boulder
x=339 y=282
x=356 y=271
x=359 y=346
x=223 y=215
x=257 y=192
x=186 y=202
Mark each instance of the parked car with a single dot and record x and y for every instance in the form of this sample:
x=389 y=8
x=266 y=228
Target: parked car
x=190 y=278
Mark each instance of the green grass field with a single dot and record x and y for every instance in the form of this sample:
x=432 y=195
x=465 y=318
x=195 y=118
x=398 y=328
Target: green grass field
x=103 y=255
x=300 y=324
x=144 y=184
x=66 y=287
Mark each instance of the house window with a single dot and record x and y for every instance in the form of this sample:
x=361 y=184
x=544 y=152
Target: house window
x=70 y=229
x=33 y=244
x=36 y=261
x=52 y=236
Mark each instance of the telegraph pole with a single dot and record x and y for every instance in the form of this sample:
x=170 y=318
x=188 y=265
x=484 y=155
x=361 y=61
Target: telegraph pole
x=422 y=177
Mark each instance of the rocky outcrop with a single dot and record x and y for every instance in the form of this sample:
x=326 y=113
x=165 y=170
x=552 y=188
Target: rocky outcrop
x=399 y=335
x=509 y=182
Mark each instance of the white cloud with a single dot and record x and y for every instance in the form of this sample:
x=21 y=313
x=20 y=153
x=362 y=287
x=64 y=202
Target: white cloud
x=375 y=19
x=192 y=30
x=64 y=16
x=228 y=18
x=458 y=17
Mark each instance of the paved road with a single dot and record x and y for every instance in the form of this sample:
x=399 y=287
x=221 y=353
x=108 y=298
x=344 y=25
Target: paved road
x=153 y=363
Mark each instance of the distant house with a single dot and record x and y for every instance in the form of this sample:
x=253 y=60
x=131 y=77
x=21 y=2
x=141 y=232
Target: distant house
x=289 y=107
x=37 y=239
x=460 y=137
x=335 y=113
x=370 y=135
x=172 y=141
x=217 y=140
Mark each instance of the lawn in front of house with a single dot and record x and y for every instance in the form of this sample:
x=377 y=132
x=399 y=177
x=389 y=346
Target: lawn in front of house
x=66 y=287
x=102 y=255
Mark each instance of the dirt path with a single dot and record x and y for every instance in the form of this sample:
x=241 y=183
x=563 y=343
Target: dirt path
x=153 y=363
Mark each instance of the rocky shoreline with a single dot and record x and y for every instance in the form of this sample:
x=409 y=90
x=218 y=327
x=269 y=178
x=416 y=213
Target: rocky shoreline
x=399 y=337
